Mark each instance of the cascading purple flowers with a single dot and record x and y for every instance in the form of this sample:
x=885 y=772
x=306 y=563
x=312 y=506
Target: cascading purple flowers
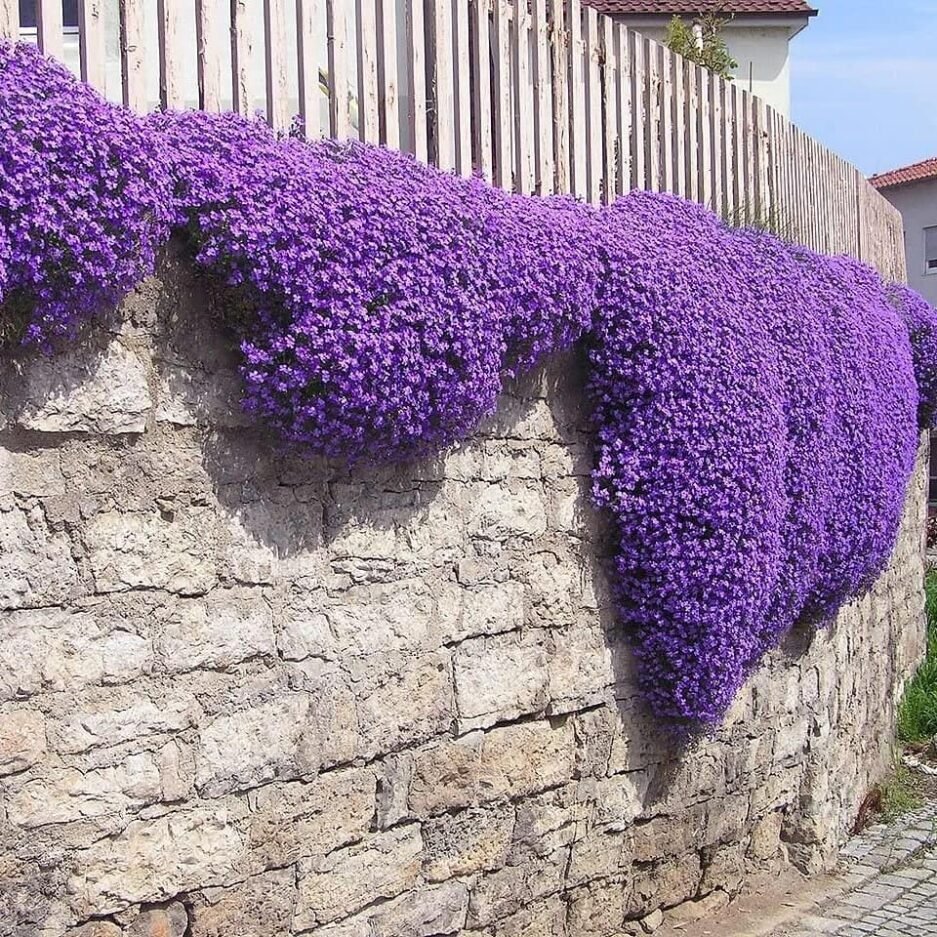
x=755 y=405
x=82 y=198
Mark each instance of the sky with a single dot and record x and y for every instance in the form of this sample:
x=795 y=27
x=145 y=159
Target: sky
x=863 y=76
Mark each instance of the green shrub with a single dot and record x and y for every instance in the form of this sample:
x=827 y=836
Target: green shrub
x=917 y=716
x=707 y=48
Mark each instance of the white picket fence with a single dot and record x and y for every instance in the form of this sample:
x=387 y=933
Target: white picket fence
x=539 y=96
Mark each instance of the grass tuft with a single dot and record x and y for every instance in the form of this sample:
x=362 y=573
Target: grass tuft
x=917 y=715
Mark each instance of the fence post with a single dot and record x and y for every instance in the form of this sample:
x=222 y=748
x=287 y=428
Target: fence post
x=90 y=43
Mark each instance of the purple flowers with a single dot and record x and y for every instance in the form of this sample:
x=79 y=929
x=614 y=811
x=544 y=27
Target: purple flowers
x=756 y=406
x=82 y=199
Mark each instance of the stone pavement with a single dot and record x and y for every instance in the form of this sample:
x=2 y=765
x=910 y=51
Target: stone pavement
x=890 y=882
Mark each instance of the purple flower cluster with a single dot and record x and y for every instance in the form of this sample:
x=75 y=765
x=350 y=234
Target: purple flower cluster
x=755 y=405
x=390 y=299
x=82 y=199
x=755 y=411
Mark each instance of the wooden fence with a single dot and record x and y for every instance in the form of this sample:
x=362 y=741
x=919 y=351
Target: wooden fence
x=541 y=96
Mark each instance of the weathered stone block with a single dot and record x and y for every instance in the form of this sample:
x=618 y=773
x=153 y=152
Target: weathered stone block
x=36 y=563
x=59 y=650
x=171 y=921
x=155 y=860
x=78 y=392
x=301 y=819
x=383 y=866
x=480 y=767
x=226 y=628
x=261 y=906
x=22 y=740
x=466 y=842
x=500 y=678
x=149 y=551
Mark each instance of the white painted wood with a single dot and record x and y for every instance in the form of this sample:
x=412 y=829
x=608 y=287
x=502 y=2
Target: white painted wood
x=501 y=95
x=625 y=107
x=559 y=49
x=463 y=85
x=167 y=33
x=481 y=67
x=339 y=87
x=310 y=23
x=691 y=116
x=637 y=49
x=49 y=32
x=208 y=41
x=91 y=42
x=524 y=174
x=705 y=137
x=443 y=85
x=667 y=129
x=133 y=80
x=610 y=109
x=242 y=54
x=655 y=99
x=544 y=160
x=275 y=69
x=578 y=142
x=416 y=76
x=595 y=143
x=9 y=19
x=368 y=105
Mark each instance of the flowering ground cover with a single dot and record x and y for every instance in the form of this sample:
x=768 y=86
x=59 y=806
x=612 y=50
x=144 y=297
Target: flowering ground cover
x=756 y=406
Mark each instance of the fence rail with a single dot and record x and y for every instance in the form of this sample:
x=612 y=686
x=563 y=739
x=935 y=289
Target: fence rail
x=540 y=96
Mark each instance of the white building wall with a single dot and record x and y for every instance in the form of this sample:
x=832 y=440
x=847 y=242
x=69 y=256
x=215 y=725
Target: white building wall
x=918 y=206
x=763 y=56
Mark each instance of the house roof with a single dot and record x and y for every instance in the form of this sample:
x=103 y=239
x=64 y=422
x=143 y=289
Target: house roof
x=697 y=7
x=916 y=172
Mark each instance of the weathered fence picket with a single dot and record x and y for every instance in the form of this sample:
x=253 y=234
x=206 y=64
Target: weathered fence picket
x=541 y=96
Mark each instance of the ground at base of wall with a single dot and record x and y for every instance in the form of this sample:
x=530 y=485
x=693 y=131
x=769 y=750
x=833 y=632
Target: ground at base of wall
x=886 y=886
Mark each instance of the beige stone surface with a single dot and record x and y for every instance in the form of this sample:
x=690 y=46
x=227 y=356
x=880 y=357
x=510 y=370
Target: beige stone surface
x=291 y=698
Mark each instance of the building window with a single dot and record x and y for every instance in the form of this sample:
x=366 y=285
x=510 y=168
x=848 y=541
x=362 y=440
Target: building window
x=930 y=250
x=28 y=14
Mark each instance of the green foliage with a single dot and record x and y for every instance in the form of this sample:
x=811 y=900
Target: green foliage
x=900 y=794
x=761 y=217
x=701 y=42
x=917 y=716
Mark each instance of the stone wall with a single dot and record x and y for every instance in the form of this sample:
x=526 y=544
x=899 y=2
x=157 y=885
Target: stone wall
x=246 y=694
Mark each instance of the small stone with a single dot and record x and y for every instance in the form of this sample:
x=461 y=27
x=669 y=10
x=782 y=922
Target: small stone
x=96 y=929
x=171 y=921
x=654 y=920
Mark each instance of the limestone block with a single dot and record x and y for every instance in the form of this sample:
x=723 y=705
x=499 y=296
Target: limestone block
x=22 y=740
x=70 y=795
x=766 y=837
x=253 y=746
x=487 y=608
x=545 y=917
x=187 y=396
x=36 y=563
x=408 y=706
x=432 y=911
x=265 y=542
x=155 y=860
x=301 y=819
x=581 y=668
x=31 y=473
x=101 y=723
x=78 y=391
x=501 y=678
x=57 y=649
x=480 y=767
x=226 y=628
x=261 y=906
x=500 y=515
x=382 y=866
x=506 y=891
x=149 y=551
x=466 y=842
x=96 y=929
x=599 y=908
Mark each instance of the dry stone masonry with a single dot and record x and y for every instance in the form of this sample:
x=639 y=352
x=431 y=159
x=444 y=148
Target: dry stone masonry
x=248 y=695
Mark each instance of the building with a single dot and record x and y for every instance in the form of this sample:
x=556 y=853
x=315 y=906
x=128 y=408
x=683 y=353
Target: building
x=913 y=191
x=757 y=32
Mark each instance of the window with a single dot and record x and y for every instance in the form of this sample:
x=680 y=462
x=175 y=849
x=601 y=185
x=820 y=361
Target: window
x=28 y=14
x=930 y=250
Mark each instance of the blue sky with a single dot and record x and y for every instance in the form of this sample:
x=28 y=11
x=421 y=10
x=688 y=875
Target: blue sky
x=863 y=74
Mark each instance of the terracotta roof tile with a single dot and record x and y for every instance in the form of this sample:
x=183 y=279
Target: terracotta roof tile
x=695 y=7
x=917 y=172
